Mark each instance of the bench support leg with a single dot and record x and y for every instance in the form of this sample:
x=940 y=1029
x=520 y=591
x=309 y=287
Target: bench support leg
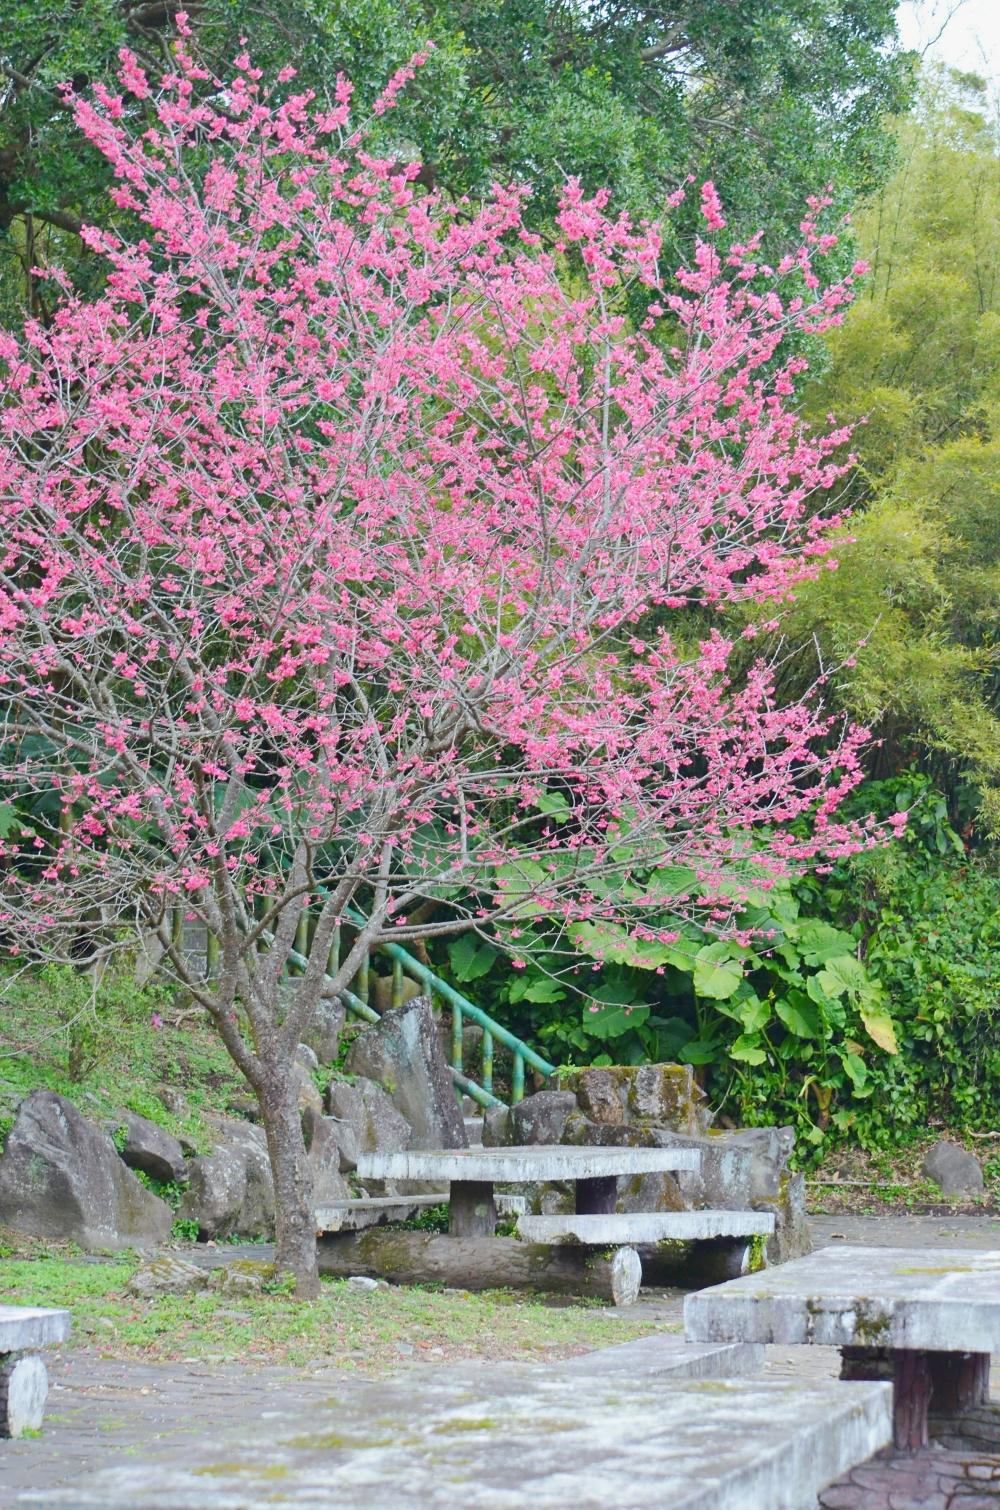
x=24 y=1386
x=946 y=1383
x=472 y=1211
x=597 y=1197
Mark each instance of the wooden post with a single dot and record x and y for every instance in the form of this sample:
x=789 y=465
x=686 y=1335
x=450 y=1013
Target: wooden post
x=911 y=1398
x=958 y=1381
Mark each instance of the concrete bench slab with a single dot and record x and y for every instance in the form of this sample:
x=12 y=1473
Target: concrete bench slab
x=355 y=1215
x=24 y=1380
x=504 y=1438
x=932 y=1316
x=25 y=1327
x=637 y=1227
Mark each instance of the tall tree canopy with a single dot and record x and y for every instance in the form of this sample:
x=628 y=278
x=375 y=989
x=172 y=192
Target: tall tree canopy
x=775 y=97
x=919 y=358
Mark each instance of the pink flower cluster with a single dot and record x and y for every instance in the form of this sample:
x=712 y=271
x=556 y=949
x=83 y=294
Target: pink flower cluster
x=345 y=526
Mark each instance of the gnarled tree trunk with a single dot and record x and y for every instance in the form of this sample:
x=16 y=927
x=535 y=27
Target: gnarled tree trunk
x=295 y=1221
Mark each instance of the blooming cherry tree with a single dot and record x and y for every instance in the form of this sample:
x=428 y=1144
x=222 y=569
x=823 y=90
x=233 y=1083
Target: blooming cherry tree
x=351 y=525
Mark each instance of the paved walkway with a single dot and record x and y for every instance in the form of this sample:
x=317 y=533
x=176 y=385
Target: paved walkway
x=111 y=1415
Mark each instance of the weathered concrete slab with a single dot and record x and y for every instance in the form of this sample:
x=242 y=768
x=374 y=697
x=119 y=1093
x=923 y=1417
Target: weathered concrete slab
x=925 y=1299
x=23 y=1327
x=539 y=1161
x=355 y=1215
x=669 y=1355
x=645 y=1226
x=503 y=1438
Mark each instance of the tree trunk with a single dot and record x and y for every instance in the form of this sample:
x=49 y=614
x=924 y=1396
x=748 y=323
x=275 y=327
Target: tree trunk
x=482 y=1263
x=295 y=1218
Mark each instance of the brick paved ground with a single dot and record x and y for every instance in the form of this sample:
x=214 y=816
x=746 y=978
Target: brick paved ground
x=104 y=1412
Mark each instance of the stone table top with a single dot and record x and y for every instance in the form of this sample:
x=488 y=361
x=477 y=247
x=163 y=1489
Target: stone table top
x=30 y=1326
x=920 y=1299
x=512 y=1438
x=514 y=1165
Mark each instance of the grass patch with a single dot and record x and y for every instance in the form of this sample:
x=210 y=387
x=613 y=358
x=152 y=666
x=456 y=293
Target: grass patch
x=119 y=1048
x=370 y=1331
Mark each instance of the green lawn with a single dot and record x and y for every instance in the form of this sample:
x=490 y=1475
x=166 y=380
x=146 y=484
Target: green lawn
x=369 y=1331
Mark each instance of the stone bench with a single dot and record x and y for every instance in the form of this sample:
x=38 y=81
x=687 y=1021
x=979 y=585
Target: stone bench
x=927 y=1318
x=24 y=1380
x=723 y=1232
x=356 y=1214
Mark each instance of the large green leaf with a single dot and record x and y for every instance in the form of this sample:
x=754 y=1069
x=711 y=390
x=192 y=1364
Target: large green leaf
x=612 y=1022
x=800 y=1015
x=470 y=957
x=818 y=942
x=747 y=1050
x=606 y=941
x=716 y=973
x=843 y=973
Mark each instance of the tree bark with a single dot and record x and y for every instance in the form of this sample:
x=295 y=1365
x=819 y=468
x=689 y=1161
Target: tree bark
x=478 y=1263
x=294 y=1216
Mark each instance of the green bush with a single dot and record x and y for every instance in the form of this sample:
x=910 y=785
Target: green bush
x=865 y=1005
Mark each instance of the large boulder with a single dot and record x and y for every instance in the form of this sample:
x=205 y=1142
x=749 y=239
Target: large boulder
x=324 y=1030
x=230 y=1192
x=954 y=1170
x=150 y=1148
x=403 y=1052
x=368 y=1117
x=326 y=1162
x=60 y=1176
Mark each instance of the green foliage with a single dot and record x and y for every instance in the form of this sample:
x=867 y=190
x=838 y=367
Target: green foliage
x=131 y=1058
x=851 y=1005
x=772 y=97
x=916 y=599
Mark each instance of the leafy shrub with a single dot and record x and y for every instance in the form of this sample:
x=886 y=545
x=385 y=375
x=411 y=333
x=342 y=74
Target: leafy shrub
x=865 y=1005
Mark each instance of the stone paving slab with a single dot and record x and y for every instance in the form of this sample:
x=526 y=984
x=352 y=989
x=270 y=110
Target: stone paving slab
x=928 y=1299
x=926 y=1480
x=667 y=1354
x=31 y=1326
x=645 y=1226
x=536 y=1161
x=507 y=1437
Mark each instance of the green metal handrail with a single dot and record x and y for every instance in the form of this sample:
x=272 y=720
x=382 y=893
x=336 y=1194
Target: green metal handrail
x=462 y=1010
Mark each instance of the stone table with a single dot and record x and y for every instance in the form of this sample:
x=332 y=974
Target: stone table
x=929 y=1318
x=474 y=1171
x=501 y=1437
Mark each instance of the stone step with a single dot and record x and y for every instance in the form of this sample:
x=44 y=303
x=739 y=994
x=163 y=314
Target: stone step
x=639 y=1227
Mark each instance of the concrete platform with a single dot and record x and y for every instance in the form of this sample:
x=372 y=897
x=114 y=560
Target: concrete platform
x=503 y=1438
x=538 y=1161
x=23 y=1327
x=928 y=1300
x=637 y=1227
x=666 y=1355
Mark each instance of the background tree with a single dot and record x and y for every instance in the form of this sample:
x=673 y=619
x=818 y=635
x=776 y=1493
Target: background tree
x=329 y=534
x=775 y=97
x=918 y=359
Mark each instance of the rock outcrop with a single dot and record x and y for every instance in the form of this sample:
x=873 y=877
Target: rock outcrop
x=403 y=1053
x=60 y=1176
x=229 y=1191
